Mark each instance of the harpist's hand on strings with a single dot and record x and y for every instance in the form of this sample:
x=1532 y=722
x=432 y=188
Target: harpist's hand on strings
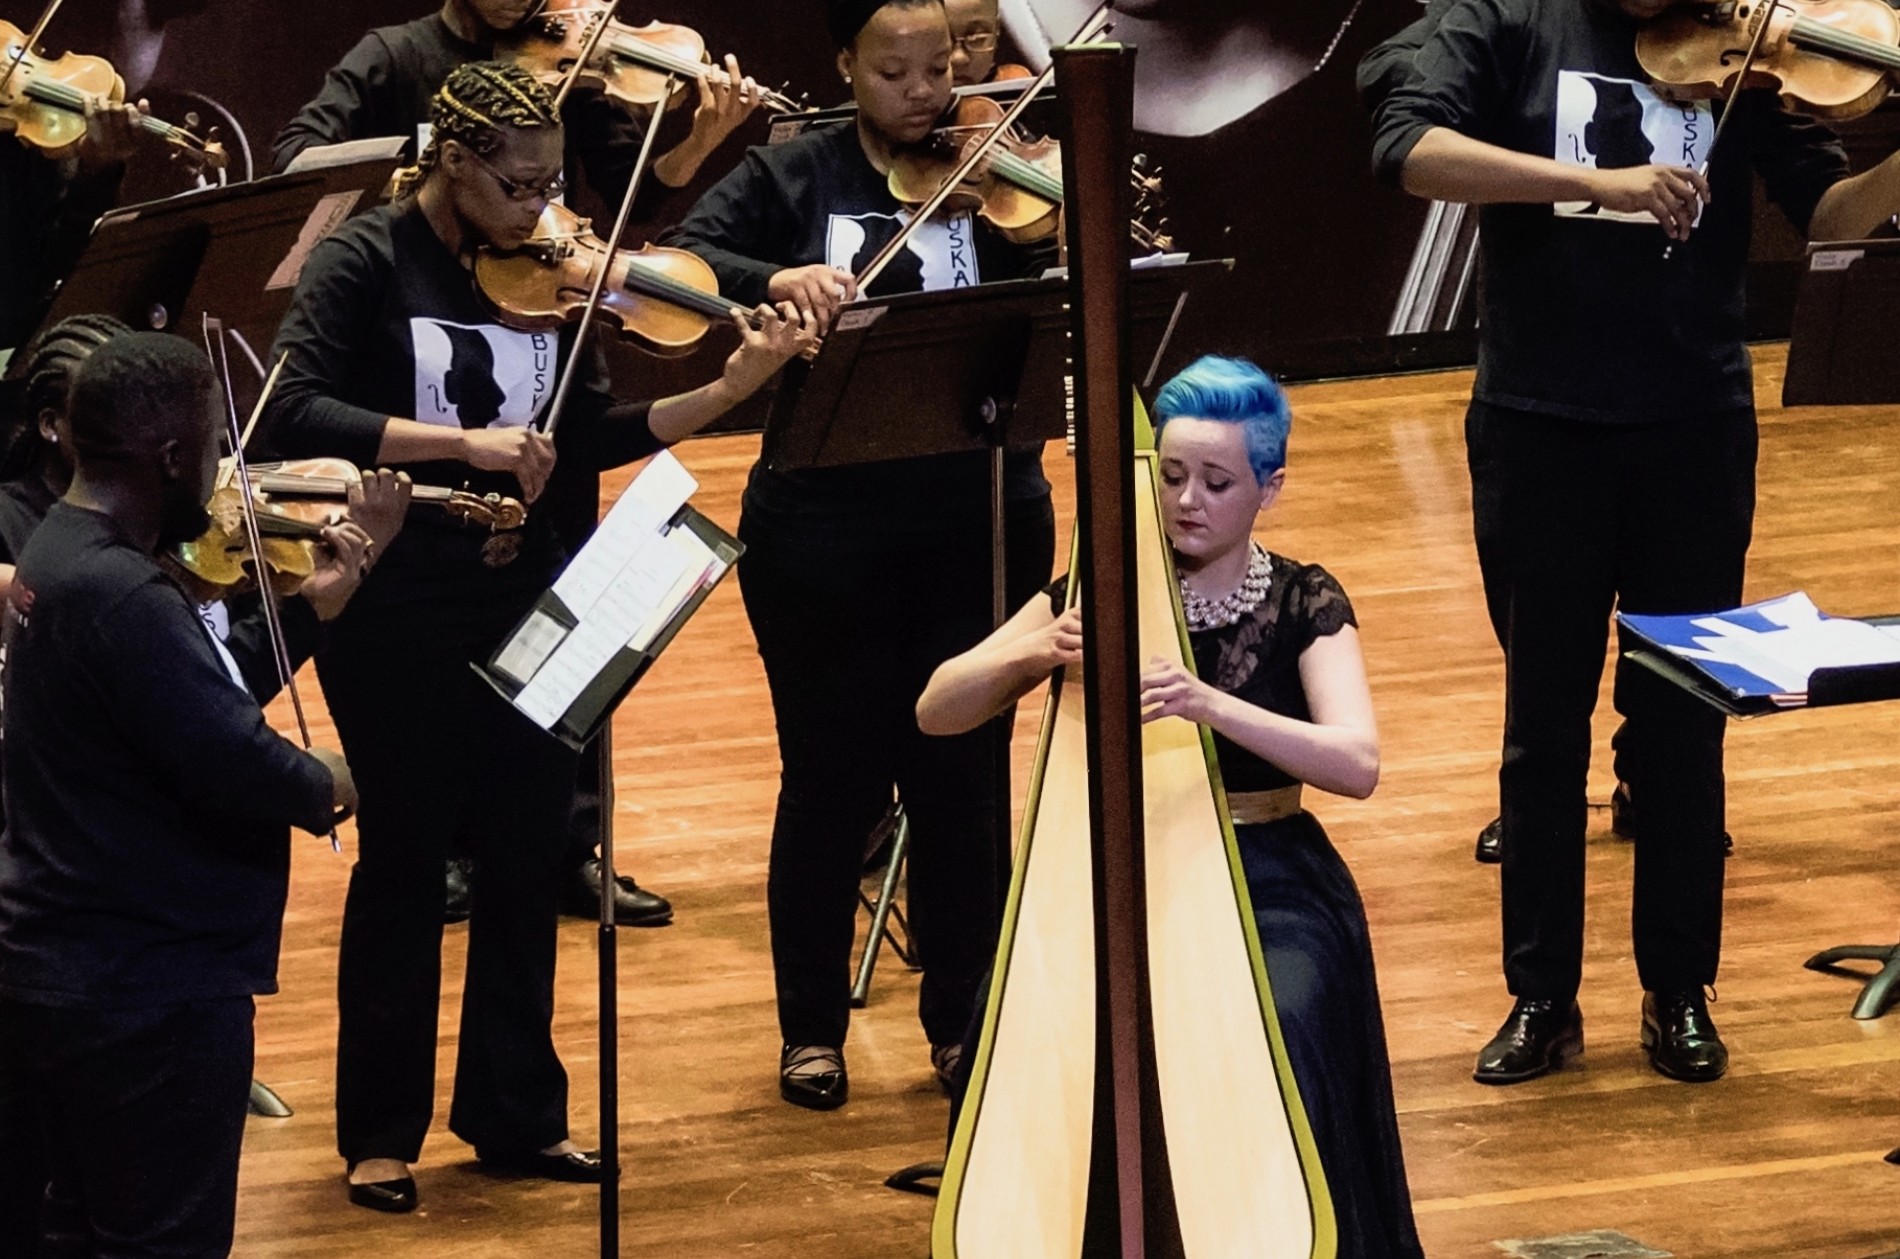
x=524 y=452
x=1168 y=689
x=1047 y=650
x=817 y=291
x=781 y=333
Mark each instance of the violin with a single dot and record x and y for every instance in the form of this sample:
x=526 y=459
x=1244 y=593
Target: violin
x=295 y=501
x=43 y=102
x=219 y=562
x=634 y=65
x=302 y=483
x=1832 y=59
x=662 y=299
x=1019 y=190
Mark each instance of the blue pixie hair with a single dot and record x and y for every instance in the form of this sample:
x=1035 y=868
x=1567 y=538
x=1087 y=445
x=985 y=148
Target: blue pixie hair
x=1232 y=391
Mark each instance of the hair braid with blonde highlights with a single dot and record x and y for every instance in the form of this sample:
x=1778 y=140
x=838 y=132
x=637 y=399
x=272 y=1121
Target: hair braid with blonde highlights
x=479 y=101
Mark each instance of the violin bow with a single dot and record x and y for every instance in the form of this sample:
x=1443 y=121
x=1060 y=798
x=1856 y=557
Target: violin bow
x=1766 y=8
x=1093 y=27
x=32 y=41
x=574 y=355
x=253 y=534
x=601 y=22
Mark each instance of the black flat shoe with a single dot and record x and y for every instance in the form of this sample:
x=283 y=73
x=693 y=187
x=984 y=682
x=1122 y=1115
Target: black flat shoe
x=634 y=906
x=580 y=1167
x=1536 y=1039
x=813 y=1076
x=397 y=1197
x=1680 y=1037
x=1491 y=842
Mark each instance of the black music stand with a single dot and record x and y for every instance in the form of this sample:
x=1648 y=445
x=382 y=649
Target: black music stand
x=955 y=371
x=233 y=253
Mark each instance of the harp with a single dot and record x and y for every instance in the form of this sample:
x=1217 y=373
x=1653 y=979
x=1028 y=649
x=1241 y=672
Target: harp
x=1131 y=1094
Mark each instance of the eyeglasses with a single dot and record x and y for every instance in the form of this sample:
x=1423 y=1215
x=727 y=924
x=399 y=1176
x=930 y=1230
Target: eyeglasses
x=977 y=41
x=515 y=191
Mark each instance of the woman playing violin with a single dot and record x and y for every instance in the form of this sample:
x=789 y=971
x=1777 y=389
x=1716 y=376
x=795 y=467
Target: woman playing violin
x=394 y=357
x=384 y=84
x=1612 y=447
x=858 y=581
x=1279 y=678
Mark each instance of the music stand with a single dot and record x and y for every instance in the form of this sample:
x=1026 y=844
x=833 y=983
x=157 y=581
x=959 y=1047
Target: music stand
x=233 y=253
x=955 y=371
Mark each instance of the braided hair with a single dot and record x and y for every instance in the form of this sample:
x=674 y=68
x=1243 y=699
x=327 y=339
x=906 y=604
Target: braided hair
x=481 y=98
x=51 y=364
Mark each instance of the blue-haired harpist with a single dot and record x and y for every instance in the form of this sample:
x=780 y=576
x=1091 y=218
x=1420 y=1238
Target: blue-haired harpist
x=1279 y=679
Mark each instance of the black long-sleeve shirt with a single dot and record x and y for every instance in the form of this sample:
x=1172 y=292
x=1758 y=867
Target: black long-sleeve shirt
x=818 y=199
x=1581 y=313
x=386 y=322
x=383 y=85
x=146 y=858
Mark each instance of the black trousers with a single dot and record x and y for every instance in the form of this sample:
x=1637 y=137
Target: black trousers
x=1573 y=520
x=436 y=754
x=142 y=1115
x=850 y=624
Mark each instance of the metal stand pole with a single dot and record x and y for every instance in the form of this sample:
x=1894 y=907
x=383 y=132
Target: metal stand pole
x=609 y=1009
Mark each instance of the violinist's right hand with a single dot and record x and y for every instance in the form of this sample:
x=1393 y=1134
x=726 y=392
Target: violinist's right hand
x=818 y=292
x=1675 y=195
x=527 y=453
x=342 y=782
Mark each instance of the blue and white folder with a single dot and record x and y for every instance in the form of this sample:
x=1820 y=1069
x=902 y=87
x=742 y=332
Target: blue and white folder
x=1778 y=654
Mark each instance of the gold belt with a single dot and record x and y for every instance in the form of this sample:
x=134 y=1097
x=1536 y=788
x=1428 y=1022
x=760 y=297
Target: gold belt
x=1253 y=807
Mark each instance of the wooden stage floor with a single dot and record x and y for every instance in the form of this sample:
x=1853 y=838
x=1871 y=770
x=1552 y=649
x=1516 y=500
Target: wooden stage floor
x=1781 y=1158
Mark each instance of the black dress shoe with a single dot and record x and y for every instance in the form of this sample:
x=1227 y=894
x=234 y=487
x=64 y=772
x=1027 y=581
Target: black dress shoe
x=1491 y=842
x=1537 y=1038
x=397 y=1197
x=1680 y=1037
x=457 y=875
x=634 y=906
x=578 y=1167
x=813 y=1076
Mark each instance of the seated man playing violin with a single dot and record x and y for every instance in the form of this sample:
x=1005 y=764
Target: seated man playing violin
x=1612 y=448
x=395 y=357
x=146 y=857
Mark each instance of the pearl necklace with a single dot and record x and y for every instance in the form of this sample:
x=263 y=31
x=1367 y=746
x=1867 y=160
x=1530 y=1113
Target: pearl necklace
x=1212 y=614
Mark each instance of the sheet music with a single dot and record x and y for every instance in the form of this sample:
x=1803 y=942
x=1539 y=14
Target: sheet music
x=626 y=603
x=1773 y=646
x=660 y=490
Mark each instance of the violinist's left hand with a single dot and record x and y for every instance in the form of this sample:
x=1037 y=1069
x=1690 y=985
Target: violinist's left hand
x=378 y=504
x=723 y=106
x=112 y=132
x=782 y=332
x=1168 y=689
x=343 y=560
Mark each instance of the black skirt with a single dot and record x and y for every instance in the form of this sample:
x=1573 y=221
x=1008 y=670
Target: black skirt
x=1319 y=962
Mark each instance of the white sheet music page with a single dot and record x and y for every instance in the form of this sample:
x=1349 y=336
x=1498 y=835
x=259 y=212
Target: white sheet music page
x=624 y=580
x=634 y=521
